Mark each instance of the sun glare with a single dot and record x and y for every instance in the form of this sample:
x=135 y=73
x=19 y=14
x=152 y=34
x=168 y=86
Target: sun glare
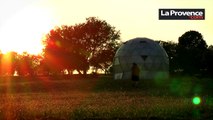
x=24 y=31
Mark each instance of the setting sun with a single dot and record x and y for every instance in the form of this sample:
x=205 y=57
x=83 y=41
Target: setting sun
x=24 y=31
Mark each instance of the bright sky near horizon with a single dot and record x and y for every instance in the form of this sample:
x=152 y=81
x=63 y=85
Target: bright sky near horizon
x=24 y=22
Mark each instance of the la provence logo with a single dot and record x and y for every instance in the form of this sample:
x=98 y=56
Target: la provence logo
x=181 y=14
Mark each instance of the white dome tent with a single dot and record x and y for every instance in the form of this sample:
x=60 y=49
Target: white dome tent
x=150 y=57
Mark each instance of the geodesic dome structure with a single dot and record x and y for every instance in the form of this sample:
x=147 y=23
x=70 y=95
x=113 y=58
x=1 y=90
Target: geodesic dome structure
x=149 y=56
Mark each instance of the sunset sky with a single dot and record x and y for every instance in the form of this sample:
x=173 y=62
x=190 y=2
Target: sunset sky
x=24 y=22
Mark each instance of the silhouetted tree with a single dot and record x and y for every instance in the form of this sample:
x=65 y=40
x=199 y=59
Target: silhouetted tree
x=103 y=60
x=80 y=46
x=101 y=42
x=27 y=64
x=170 y=48
x=191 y=52
x=209 y=60
x=64 y=50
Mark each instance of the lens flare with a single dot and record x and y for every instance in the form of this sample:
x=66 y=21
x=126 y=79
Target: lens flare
x=196 y=100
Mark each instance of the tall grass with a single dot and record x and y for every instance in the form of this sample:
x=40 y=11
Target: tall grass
x=170 y=99
x=104 y=98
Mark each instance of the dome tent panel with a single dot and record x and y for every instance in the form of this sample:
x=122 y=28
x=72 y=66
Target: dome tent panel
x=150 y=57
x=125 y=68
x=135 y=53
x=127 y=75
x=123 y=60
x=149 y=66
x=144 y=57
x=122 y=52
x=136 y=59
x=118 y=69
x=116 y=61
x=118 y=76
x=129 y=59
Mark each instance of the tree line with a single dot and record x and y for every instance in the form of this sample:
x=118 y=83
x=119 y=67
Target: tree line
x=80 y=47
x=93 y=44
x=191 y=55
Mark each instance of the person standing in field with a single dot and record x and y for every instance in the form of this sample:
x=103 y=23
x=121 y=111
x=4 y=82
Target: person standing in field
x=135 y=74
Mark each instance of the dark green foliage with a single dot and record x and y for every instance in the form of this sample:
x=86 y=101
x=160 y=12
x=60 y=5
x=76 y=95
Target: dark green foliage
x=191 y=52
x=190 y=55
x=209 y=60
x=171 y=50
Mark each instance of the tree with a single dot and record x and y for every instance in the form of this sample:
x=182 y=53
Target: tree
x=101 y=40
x=191 y=52
x=80 y=46
x=170 y=48
x=103 y=60
x=209 y=59
x=27 y=64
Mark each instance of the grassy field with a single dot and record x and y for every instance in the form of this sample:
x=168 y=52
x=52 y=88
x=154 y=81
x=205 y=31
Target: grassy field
x=104 y=98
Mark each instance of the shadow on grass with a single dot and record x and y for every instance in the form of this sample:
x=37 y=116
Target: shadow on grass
x=184 y=86
x=45 y=84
